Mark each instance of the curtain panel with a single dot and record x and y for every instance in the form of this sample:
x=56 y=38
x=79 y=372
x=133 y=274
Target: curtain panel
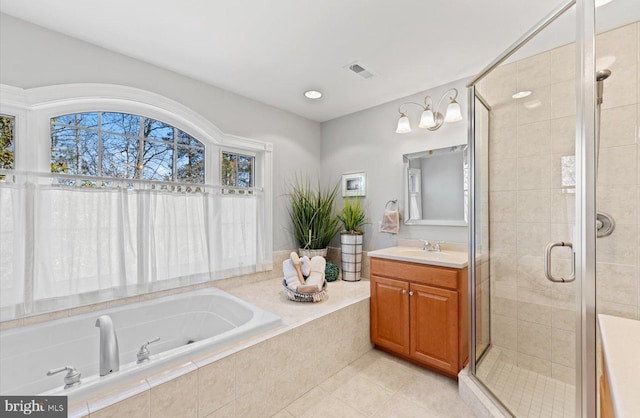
x=76 y=242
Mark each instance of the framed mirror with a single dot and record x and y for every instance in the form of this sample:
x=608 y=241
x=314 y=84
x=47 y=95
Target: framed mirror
x=436 y=187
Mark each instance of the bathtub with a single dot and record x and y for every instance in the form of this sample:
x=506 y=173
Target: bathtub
x=189 y=325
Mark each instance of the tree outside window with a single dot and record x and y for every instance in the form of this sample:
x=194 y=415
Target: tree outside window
x=7 y=154
x=237 y=170
x=122 y=145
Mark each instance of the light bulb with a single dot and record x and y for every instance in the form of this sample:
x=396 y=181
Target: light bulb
x=404 y=126
x=427 y=120
x=453 y=112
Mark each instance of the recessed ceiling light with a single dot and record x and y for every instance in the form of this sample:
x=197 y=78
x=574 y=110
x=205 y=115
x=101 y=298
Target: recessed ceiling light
x=312 y=94
x=521 y=94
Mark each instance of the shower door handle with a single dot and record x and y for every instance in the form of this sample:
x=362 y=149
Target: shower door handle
x=547 y=263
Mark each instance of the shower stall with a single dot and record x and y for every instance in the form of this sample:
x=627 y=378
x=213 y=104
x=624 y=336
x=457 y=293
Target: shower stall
x=555 y=157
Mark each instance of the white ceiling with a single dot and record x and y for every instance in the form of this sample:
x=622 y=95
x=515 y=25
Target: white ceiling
x=272 y=51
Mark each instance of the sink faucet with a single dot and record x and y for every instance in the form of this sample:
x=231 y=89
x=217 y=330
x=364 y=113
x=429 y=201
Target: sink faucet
x=109 y=353
x=428 y=246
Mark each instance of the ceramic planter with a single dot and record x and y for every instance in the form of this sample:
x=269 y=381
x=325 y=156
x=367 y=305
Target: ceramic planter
x=351 y=252
x=312 y=253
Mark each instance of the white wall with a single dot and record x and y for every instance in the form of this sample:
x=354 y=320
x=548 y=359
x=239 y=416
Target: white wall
x=31 y=56
x=366 y=141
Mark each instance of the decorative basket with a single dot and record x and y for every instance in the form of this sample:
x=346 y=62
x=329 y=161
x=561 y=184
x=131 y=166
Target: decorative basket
x=305 y=297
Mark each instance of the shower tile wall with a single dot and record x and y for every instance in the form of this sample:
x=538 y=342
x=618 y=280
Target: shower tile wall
x=531 y=198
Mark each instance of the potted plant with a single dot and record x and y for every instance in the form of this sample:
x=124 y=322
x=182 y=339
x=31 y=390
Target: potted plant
x=351 y=238
x=312 y=214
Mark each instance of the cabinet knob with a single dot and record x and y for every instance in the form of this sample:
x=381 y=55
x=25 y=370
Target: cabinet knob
x=411 y=293
x=404 y=292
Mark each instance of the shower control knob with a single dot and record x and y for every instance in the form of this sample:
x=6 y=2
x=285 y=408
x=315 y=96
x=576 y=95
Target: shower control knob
x=72 y=378
x=143 y=353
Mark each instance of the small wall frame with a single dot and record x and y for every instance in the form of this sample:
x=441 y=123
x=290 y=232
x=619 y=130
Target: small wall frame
x=354 y=184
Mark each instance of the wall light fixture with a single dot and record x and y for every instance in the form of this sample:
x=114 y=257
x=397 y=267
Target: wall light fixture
x=431 y=119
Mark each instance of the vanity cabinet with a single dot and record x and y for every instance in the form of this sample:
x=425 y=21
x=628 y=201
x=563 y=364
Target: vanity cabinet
x=419 y=312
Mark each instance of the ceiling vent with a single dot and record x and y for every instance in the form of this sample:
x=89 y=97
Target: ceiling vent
x=360 y=70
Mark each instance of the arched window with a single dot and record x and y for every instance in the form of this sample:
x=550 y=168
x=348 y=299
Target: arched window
x=122 y=145
x=65 y=242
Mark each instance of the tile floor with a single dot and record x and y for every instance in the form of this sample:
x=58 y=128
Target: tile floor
x=380 y=385
x=527 y=394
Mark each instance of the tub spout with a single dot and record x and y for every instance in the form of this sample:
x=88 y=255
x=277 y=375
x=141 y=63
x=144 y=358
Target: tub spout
x=109 y=353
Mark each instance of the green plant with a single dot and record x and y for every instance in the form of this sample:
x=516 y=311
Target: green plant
x=352 y=216
x=311 y=212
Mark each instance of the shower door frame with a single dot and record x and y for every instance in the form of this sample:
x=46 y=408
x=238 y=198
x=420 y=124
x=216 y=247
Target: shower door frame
x=585 y=232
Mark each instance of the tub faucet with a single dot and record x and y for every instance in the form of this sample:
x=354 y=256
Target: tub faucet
x=109 y=353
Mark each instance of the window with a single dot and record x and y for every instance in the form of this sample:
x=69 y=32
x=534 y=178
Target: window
x=237 y=170
x=122 y=145
x=65 y=241
x=7 y=153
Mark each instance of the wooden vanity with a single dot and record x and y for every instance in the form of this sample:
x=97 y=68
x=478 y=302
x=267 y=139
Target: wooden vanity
x=419 y=312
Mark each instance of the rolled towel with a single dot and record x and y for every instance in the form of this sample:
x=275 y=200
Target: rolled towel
x=316 y=275
x=305 y=265
x=308 y=288
x=290 y=275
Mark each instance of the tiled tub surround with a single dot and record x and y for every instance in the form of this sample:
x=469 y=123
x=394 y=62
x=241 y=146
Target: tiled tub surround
x=533 y=320
x=258 y=377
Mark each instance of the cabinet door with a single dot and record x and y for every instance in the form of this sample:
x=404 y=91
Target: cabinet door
x=390 y=314
x=434 y=326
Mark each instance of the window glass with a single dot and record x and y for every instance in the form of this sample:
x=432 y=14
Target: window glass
x=190 y=164
x=237 y=170
x=121 y=123
x=122 y=145
x=7 y=152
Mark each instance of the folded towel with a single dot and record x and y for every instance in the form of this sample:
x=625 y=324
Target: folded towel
x=316 y=274
x=305 y=265
x=308 y=288
x=290 y=274
x=297 y=264
x=390 y=222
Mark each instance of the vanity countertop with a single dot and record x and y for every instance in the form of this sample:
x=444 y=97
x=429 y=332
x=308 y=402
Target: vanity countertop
x=620 y=342
x=444 y=258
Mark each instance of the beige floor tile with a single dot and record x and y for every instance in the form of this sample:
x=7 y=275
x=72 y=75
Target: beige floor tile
x=388 y=373
x=363 y=394
x=309 y=400
x=283 y=414
x=400 y=406
x=227 y=411
x=333 y=407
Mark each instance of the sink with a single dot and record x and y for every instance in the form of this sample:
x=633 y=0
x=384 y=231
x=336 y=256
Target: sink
x=445 y=258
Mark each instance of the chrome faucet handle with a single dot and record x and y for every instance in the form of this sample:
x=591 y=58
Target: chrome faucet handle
x=143 y=353
x=436 y=247
x=426 y=245
x=72 y=378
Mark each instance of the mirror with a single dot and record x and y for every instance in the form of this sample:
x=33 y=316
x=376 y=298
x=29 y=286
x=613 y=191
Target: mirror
x=436 y=187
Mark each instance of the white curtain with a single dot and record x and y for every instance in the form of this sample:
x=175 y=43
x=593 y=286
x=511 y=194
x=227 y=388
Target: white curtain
x=85 y=241
x=89 y=244
x=13 y=234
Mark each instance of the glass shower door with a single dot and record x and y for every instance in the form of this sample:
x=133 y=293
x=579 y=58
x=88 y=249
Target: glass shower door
x=526 y=302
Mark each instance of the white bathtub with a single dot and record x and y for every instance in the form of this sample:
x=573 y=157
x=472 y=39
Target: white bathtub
x=210 y=318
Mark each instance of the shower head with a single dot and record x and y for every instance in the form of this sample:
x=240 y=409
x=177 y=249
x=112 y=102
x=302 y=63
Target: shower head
x=602 y=75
